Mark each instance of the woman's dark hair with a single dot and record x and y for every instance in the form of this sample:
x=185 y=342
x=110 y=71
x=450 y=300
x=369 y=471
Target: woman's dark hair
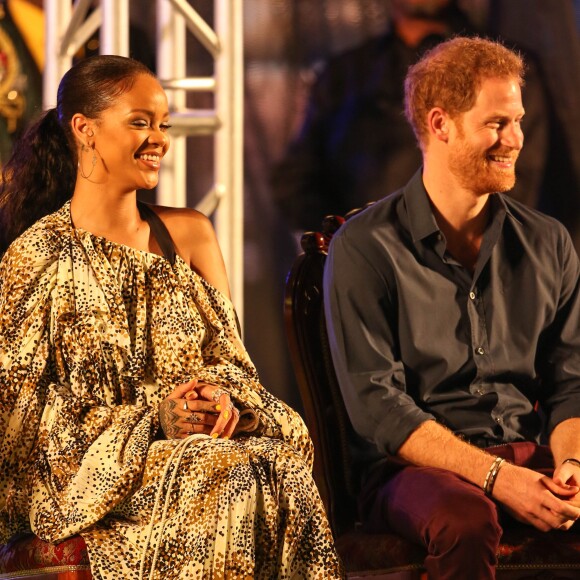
x=41 y=172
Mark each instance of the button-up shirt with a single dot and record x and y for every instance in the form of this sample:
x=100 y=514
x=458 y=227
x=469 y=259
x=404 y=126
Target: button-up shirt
x=415 y=336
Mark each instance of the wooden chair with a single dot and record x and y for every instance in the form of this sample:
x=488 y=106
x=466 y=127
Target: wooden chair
x=27 y=557
x=523 y=553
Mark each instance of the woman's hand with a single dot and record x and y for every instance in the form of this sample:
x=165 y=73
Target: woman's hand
x=196 y=407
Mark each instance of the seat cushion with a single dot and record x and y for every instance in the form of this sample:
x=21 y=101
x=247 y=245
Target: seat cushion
x=522 y=547
x=30 y=553
x=378 y=552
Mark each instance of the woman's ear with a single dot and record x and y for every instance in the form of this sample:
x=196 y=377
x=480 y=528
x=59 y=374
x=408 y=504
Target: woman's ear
x=82 y=129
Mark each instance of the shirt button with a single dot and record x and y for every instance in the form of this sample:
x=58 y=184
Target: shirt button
x=472 y=295
x=480 y=350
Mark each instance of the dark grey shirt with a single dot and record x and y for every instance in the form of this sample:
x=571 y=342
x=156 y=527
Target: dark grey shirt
x=415 y=336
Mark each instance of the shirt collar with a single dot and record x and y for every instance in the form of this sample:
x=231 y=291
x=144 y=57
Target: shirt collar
x=420 y=219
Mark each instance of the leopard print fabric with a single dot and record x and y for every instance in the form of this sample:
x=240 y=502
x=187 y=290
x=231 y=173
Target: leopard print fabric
x=93 y=336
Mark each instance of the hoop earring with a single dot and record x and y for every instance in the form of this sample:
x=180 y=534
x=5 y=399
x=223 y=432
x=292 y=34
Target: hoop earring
x=93 y=162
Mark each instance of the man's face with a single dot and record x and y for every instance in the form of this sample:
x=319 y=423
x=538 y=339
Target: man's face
x=485 y=142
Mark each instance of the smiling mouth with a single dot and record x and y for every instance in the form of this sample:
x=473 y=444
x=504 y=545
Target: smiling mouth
x=151 y=158
x=505 y=160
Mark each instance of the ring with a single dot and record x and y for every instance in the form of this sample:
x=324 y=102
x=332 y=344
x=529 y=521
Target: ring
x=194 y=418
x=185 y=407
x=217 y=394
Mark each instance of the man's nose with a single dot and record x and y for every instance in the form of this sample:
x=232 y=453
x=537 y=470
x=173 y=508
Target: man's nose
x=513 y=136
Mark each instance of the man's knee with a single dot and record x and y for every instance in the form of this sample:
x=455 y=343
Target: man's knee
x=469 y=520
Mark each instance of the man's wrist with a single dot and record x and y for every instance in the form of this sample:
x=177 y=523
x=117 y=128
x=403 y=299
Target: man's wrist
x=492 y=475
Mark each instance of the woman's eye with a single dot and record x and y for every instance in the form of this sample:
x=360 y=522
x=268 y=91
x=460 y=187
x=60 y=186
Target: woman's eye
x=140 y=123
x=165 y=127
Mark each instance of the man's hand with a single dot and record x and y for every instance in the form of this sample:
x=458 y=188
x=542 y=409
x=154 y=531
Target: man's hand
x=564 y=444
x=568 y=474
x=535 y=499
x=528 y=496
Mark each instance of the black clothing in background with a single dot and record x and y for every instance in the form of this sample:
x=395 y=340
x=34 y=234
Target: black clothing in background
x=356 y=146
x=550 y=29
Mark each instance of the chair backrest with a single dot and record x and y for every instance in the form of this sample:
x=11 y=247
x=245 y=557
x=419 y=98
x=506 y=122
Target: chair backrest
x=325 y=414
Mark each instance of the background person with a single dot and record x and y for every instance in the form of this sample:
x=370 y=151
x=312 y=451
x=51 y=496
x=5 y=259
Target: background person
x=355 y=145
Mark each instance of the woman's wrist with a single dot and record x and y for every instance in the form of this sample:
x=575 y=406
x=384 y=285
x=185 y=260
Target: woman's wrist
x=572 y=460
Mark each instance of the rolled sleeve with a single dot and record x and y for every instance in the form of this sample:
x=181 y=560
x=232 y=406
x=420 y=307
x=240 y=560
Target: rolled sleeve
x=362 y=321
x=559 y=364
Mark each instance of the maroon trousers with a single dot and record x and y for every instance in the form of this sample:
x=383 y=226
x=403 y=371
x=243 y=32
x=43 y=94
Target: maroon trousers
x=456 y=522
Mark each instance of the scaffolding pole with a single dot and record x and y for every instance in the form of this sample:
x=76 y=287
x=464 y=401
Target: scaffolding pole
x=68 y=27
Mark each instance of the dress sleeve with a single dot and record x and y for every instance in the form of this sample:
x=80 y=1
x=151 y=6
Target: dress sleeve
x=228 y=365
x=61 y=452
x=25 y=286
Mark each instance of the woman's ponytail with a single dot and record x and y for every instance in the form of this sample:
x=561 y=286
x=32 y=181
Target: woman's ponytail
x=37 y=179
x=41 y=173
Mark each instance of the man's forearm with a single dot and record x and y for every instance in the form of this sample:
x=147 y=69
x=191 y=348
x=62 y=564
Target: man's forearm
x=565 y=441
x=432 y=445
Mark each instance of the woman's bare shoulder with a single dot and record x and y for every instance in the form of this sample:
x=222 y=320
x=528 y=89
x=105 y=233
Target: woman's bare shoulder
x=196 y=243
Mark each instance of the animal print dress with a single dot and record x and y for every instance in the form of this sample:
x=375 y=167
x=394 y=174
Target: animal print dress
x=93 y=336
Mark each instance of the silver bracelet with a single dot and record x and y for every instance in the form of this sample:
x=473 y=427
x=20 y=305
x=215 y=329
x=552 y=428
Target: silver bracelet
x=492 y=475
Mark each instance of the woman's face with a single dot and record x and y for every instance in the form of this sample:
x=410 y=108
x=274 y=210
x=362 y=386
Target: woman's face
x=131 y=138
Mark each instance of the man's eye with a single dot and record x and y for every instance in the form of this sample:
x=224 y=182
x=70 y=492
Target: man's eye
x=165 y=126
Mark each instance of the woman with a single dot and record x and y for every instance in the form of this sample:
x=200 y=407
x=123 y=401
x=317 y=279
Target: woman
x=129 y=409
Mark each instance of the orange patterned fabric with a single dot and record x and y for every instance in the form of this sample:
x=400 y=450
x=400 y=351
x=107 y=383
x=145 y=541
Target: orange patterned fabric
x=93 y=336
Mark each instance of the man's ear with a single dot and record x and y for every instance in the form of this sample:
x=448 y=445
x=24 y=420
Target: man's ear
x=438 y=124
x=82 y=129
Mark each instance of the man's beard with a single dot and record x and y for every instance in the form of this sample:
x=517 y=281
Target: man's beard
x=475 y=171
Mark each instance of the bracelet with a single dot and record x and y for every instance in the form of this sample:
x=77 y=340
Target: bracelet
x=492 y=475
x=572 y=460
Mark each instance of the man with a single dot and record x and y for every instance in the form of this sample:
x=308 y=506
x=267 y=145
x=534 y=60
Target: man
x=355 y=146
x=452 y=310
